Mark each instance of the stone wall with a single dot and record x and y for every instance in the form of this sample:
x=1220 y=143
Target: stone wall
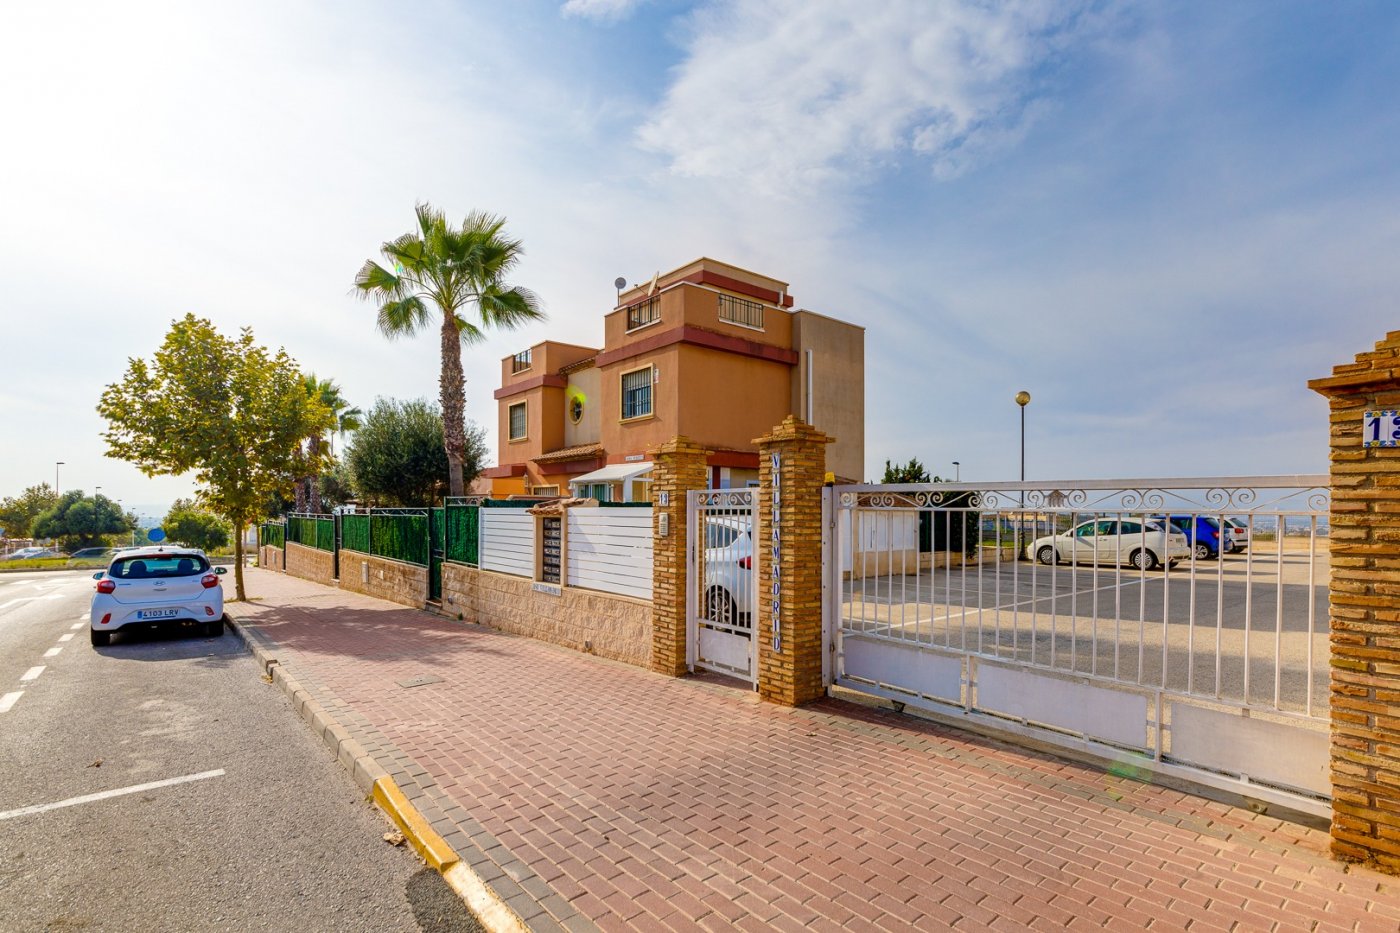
x=270 y=557
x=610 y=626
x=393 y=580
x=310 y=563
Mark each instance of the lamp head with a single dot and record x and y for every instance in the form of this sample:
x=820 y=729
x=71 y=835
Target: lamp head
x=1023 y=398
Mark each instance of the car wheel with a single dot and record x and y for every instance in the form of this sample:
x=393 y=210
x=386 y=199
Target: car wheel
x=1143 y=559
x=1047 y=556
x=1202 y=551
x=719 y=607
x=214 y=629
x=100 y=639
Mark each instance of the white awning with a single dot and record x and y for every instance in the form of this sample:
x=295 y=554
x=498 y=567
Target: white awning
x=613 y=473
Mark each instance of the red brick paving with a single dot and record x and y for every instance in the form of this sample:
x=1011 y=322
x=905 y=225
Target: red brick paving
x=593 y=795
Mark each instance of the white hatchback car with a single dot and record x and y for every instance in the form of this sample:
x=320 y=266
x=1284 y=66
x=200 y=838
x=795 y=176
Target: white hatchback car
x=155 y=586
x=1109 y=542
x=729 y=587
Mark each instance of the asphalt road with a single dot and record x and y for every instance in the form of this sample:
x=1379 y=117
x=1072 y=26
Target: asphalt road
x=262 y=831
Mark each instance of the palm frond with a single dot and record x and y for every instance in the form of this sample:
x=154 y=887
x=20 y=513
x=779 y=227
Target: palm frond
x=377 y=283
x=402 y=318
x=509 y=306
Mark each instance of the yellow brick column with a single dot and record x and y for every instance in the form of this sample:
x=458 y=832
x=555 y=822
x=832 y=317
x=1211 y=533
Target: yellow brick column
x=678 y=466
x=1365 y=608
x=791 y=466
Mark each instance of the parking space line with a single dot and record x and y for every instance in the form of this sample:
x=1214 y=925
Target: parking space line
x=9 y=700
x=76 y=626
x=53 y=652
x=31 y=674
x=106 y=794
x=68 y=637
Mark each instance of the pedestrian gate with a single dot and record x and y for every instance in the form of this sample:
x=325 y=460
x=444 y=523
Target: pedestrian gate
x=722 y=596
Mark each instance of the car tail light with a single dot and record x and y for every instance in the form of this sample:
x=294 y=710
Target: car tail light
x=746 y=562
x=107 y=618
x=106 y=586
x=209 y=610
x=210 y=581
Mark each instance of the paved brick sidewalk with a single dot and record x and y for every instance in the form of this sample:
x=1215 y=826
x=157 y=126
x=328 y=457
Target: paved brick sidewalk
x=590 y=794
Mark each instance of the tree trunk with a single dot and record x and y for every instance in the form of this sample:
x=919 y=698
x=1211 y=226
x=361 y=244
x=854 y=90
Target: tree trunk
x=313 y=500
x=300 y=505
x=453 y=389
x=238 y=593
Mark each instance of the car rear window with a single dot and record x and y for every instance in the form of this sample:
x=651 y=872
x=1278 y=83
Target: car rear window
x=158 y=566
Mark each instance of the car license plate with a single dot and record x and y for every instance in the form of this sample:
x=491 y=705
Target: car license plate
x=157 y=613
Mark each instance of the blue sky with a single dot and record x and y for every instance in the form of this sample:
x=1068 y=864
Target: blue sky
x=1160 y=219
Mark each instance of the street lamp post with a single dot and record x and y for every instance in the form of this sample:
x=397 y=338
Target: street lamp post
x=957 y=472
x=56 y=465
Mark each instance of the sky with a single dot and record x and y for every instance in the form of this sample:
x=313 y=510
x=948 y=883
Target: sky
x=1161 y=220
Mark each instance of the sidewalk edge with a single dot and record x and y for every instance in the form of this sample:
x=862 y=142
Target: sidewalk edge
x=493 y=912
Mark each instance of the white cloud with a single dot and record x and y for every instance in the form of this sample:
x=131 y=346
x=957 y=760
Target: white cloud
x=792 y=94
x=601 y=9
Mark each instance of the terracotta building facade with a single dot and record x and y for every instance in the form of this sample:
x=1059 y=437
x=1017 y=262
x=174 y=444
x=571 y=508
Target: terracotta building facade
x=708 y=351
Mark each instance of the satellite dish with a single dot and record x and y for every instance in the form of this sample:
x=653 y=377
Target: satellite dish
x=619 y=283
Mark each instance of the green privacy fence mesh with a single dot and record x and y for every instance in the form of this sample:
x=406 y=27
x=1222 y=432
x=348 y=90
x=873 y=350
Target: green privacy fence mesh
x=272 y=534
x=354 y=533
x=399 y=536
x=462 y=526
x=316 y=531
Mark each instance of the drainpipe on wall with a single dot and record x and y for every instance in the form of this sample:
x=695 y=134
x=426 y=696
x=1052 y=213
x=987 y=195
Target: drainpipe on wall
x=809 y=387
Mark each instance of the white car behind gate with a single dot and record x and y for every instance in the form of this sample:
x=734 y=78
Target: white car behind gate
x=155 y=586
x=1111 y=542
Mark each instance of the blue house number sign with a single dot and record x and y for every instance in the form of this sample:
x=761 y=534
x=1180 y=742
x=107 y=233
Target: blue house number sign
x=1380 y=429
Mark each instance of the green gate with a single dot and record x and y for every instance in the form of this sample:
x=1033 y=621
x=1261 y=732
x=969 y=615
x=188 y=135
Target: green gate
x=437 y=535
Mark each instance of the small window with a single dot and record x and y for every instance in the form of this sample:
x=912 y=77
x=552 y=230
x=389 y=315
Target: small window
x=517 y=421
x=520 y=362
x=1129 y=528
x=717 y=536
x=636 y=393
x=1106 y=528
x=158 y=566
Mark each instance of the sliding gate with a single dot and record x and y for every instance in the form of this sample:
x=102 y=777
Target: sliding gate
x=722 y=596
x=1176 y=626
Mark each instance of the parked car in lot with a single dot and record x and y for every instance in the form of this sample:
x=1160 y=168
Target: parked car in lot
x=152 y=587
x=1202 y=531
x=1111 y=542
x=92 y=553
x=1239 y=535
x=25 y=553
x=729 y=588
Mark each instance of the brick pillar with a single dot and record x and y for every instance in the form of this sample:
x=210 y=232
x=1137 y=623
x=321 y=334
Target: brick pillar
x=790 y=498
x=1365 y=609
x=678 y=467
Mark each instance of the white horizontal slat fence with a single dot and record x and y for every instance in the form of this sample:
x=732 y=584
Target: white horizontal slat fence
x=610 y=550
x=508 y=541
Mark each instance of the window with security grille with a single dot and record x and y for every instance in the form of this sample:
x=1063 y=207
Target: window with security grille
x=517 y=421
x=636 y=393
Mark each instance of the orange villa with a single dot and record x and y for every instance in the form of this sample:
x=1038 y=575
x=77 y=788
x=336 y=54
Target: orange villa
x=709 y=351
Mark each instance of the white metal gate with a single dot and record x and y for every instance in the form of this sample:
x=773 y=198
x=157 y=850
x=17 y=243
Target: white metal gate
x=1174 y=625
x=722 y=598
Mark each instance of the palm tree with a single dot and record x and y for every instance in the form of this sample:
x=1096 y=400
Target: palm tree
x=346 y=419
x=451 y=269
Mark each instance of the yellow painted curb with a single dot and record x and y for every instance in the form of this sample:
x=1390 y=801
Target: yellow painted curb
x=424 y=839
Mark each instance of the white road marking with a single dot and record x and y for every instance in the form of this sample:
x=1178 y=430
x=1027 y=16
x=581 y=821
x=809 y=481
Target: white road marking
x=9 y=700
x=77 y=626
x=68 y=637
x=82 y=616
x=31 y=674
x=121 y=791
x=53 y=652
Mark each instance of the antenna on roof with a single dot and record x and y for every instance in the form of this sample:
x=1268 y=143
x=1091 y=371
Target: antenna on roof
x=619 y=283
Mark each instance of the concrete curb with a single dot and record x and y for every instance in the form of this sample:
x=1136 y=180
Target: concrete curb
x=495 y=915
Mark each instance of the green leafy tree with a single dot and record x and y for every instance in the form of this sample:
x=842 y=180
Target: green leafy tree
x=226 y=409
x=397 y=456
x=911 y=472
x=80 y=521
x=337 y=486
x=452 y=270
x=320 y=446
x=190 y=524
x=17 y=513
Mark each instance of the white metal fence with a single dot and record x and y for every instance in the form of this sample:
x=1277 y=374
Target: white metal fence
x=1131 y=616
x=607 y=549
